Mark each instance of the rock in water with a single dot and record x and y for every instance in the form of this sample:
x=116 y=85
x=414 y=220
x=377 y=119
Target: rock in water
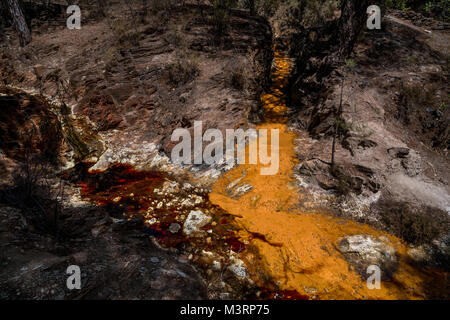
x=174 y=228
x=240 y=190
x=362 y=251
x=236 y=190
x=238 y=268
x=195 y=221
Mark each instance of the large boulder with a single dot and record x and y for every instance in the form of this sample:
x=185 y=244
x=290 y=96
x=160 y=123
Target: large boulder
x=362 y=251
x=195 y=222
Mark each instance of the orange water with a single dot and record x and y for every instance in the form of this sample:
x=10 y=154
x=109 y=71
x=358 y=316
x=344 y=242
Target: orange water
x=297 y=250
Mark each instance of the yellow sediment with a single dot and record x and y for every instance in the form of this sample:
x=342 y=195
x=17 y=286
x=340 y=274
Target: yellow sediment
x=297 y=250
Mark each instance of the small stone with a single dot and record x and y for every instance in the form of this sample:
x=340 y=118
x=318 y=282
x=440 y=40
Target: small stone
x=195 y=221
x=26 y=102
x=216 y=265
x=420 y=254
x=235 y=190
x=238 y=268
x=154 y=260
x=39 y=70
x=225 y=296
x=174 y=228
x=170 y=187
x=398 y=152
x=184 y=97
x=187 y=186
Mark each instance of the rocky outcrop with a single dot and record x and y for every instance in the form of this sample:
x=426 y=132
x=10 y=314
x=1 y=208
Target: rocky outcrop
x=31 y=125
x=123 y=81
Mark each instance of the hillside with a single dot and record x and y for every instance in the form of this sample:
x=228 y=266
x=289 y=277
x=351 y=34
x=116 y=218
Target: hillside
x=339 y=161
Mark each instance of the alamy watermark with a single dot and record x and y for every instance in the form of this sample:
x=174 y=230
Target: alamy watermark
x=74 y=280
x=373 y=20
x=74 y=20
x=190 y=149
x=374 y=280
x=374 y=17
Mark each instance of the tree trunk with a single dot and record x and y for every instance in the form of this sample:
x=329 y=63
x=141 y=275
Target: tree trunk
x=251 y=4
x=336 y=126
x=301 y=7
x=353 y=17
x=19 y=22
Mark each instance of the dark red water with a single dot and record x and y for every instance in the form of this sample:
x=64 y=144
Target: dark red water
x=128 y=193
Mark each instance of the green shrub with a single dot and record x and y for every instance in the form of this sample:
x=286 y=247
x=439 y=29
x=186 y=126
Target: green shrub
x=440 y=8
x=124 y=33
x=292 y=14
x=246 y=75
x=175 y=38
x=221 y=14
x=416 y=95
x=396 y=4
x=184 y=70
x=110 y=57
x=237 y=78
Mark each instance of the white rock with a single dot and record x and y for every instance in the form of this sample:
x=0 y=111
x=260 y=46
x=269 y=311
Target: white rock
x=238 y=268
x=362 y=251
x=216 y=265
x=170 y=187
x=195 y=221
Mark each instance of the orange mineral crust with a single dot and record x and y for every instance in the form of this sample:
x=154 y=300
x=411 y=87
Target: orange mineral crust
x=298 y=250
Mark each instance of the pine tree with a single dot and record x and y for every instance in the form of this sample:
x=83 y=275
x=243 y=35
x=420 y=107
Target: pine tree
x=19 y=22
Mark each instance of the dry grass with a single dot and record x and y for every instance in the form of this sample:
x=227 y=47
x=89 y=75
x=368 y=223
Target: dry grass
x=184 y=69
x=415 y=225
